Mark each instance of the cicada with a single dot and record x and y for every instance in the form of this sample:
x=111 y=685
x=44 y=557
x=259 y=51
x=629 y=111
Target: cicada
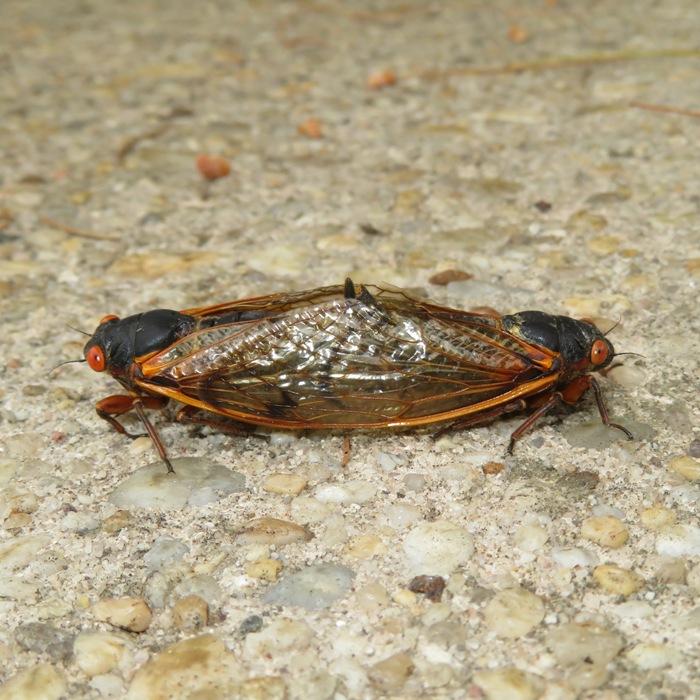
x=346 y=357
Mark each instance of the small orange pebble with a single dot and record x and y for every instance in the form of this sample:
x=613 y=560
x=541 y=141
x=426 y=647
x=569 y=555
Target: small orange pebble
x=380 y=80
x=212 y=167
x=446 y=276
x=493 y=468
x=311 y=128
x=517 y=34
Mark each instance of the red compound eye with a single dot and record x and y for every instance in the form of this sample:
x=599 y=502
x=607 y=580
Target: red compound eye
x=110 y=317
x=96 y=359
x=599 y=352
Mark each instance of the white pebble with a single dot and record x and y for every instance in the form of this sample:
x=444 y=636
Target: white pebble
x=414 y=482
x=314 y=587
x=26 y=684
x=279 y=636
x=166 y=550
x=132 y=614
x=344 y=494
x=401 y=515
x=679 y=541
x=685 y=466
x=571 y=557
x=388 y=461
x=529 y=538
x=309 y=510
x=438 y=548
x=573 y=643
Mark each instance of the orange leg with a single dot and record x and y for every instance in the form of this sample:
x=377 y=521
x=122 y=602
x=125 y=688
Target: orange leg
x=118 y=405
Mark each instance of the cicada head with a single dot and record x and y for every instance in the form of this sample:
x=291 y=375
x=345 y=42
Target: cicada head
x=581 y=344
x=118 y=343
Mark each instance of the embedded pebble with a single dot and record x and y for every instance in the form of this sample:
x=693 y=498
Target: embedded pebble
x=388 y=461
x=605 y=530
x=315 y=686
x=438 y=548
x=16 y=499
x=262 y=688
x=401 y=515
x=272 y=531
x=309 y=510
x=657 y=517
x=529 y=538
x=573 y=643
x=627 y=376
x=166 y=550
x=196 y=482
x=617 y=580
x=190 y=613
x=118 y=521
x=98 y=653
x=679 y=541
x=571 y=557
x=285 y=484
x=432 y=587
x=265 y=569
x=202 y=585
x=43 y=638
x=18 y=552
x=40 y=682
x=346 y=493
x=372 y=598
x=634 y=610
x=587 y=676
x=390 y=674
x=80 y=523
x=686 y=467
x=364 y=546
x=131 y=614
x=651 y=655
x=253 y=623
x=511 y=683
x=414 y=482
x=279 y=636
x=197 y=667
x=513 y=612
x=693 y=578
x=314 y=587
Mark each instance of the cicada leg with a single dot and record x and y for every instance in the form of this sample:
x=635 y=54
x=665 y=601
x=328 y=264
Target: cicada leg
x=118 y=405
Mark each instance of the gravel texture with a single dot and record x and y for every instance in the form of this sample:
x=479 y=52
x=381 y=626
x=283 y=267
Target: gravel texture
x=511 y=155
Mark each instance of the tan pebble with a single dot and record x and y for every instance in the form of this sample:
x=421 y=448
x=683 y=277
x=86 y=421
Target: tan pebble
x=200 y=667
x=285 y=484
x=265 y=569
x=131 y=614
x=16 y=521
x=157 y=264
x=693 y=266
x=406 y=598
x=693 y=578
x=686 y=467
x=582 y=307
x=511 y=683
x=603 y=245
x=191 y=613
x=652 y=655
x=617 y=580
x=262 y=688
x=40 y=681
x=513 y=612
x=390 y=674
x=98 y=652
x=364 y=546
x=657 y=517
x=118 y=521
x=605 y=530
x=272 y=531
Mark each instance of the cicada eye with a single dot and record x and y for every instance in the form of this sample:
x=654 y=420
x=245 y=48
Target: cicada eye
x=599 y=352
x=109 y=317
x=96 y=359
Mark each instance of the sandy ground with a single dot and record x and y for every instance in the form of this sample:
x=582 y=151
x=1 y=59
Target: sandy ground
x=546 y=149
